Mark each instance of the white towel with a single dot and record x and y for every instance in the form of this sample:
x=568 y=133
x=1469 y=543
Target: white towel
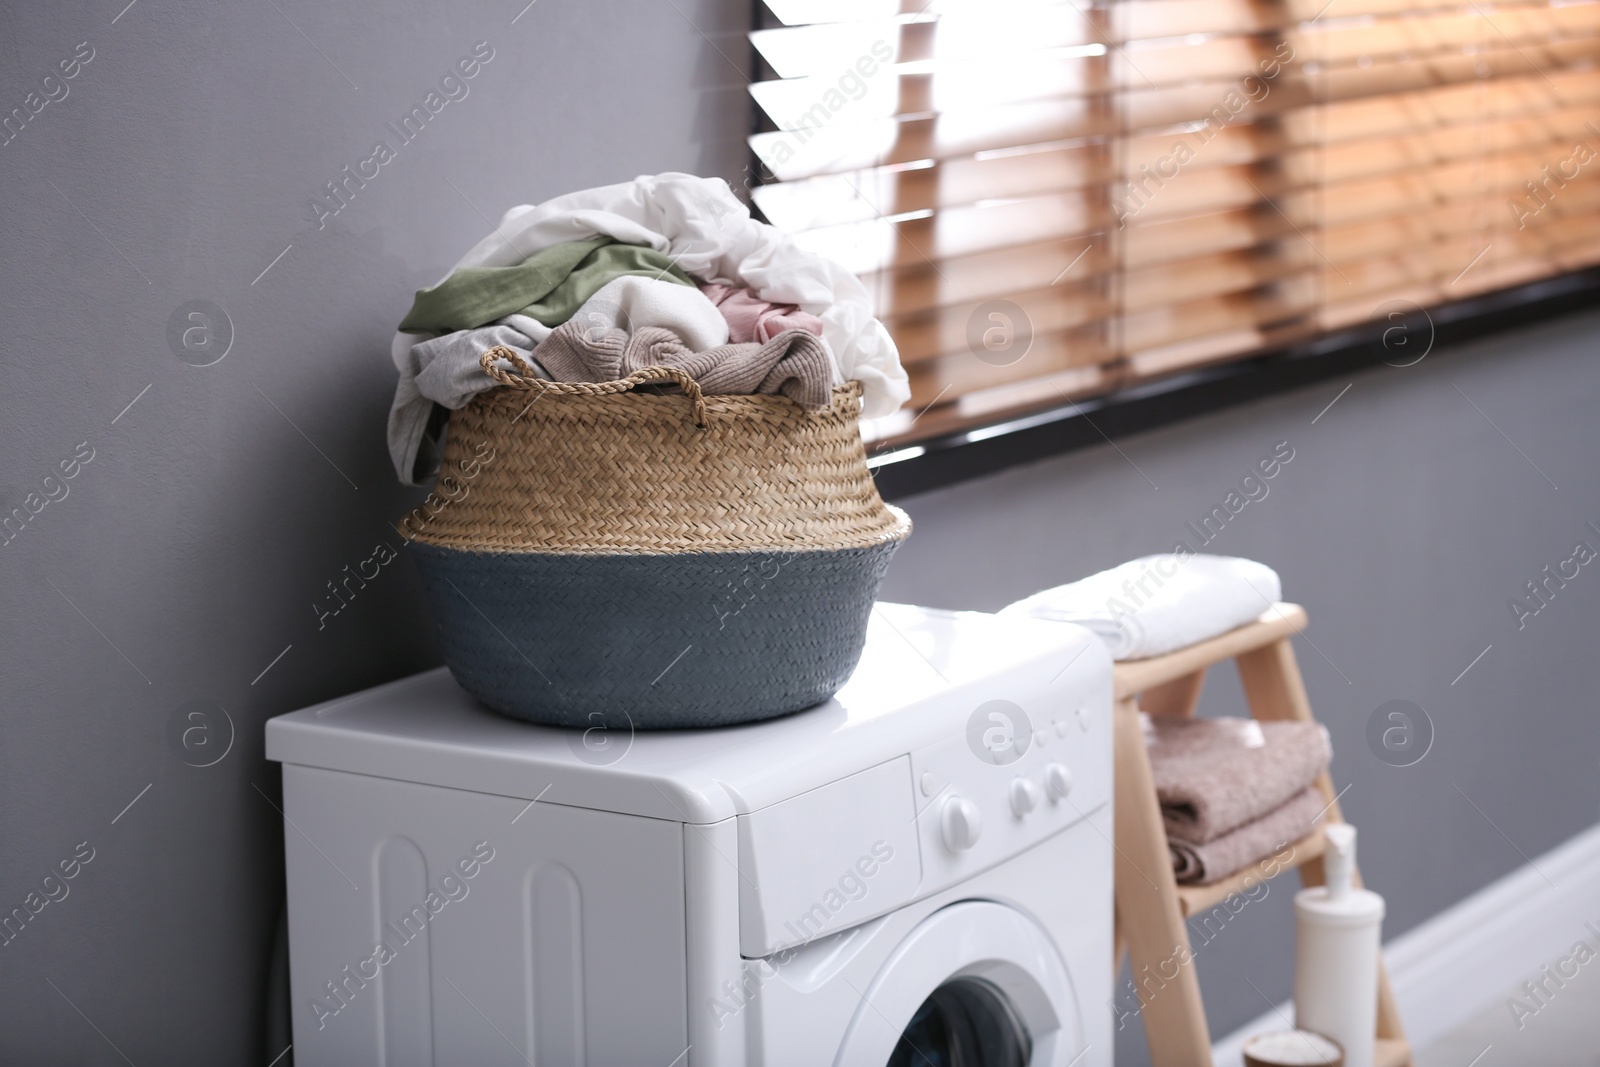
x=1158 y=604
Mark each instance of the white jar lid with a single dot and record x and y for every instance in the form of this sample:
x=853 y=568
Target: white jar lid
x=1300 y=1048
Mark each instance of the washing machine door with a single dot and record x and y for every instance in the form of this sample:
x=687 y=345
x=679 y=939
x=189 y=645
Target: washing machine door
x=976 y=984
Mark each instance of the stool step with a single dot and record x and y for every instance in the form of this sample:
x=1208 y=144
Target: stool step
x=1194 y=899
x=1277 y=622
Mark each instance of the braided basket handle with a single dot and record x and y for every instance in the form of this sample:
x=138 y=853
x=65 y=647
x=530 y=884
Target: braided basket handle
x=524 y=378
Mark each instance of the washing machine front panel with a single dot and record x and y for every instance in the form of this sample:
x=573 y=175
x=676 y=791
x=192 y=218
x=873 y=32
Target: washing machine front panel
x=1022 y=757
x=1040 y=930
x=1032 y=762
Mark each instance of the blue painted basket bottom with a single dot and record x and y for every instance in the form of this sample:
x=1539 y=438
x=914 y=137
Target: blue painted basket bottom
x=652 y=641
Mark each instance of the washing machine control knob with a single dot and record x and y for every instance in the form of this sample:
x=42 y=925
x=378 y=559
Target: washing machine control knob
x=961 y=822
x=1025 y=796
x=1057 y=781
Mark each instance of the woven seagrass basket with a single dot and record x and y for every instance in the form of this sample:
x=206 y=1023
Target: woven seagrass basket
x=600 y=556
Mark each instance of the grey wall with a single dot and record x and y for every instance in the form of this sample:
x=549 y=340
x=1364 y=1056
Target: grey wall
x=188 y=552
x=1405 y=523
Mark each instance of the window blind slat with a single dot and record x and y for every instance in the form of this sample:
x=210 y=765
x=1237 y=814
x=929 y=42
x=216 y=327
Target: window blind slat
x=887 y=192
x=986 y=276
x=943 y=331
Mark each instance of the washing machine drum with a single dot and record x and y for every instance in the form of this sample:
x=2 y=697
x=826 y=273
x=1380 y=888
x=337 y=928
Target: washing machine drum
x=976 y=984
x=965 y=1021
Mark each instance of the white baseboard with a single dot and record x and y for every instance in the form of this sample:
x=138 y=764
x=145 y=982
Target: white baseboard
x=1447 y=970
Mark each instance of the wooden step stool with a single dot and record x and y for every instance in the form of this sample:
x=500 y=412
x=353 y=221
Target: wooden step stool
x=1151 y=905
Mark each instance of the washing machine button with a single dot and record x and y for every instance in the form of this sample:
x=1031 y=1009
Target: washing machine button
x=961 y=823
x=1025 y=795
x=1057 y=781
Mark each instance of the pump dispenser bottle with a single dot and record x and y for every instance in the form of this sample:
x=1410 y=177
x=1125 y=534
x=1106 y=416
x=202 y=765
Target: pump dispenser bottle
x=1337 y=933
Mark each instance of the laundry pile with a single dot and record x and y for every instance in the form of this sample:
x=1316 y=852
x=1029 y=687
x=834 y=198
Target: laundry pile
x=1158 y=604
x=666 y=270
x=1234 y=791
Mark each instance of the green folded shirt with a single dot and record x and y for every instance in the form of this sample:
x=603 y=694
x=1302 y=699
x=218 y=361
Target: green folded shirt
x=549 y=285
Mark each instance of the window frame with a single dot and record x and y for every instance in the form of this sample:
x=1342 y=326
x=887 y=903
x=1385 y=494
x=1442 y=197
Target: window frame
x=1015 y=440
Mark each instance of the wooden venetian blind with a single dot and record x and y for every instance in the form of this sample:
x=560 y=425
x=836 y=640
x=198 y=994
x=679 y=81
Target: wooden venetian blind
x=1052 y=200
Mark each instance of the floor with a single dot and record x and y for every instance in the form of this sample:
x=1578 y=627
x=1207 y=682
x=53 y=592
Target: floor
x=1564 y=1031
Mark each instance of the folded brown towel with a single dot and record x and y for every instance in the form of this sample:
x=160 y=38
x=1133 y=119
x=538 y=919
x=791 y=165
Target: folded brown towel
x=1222 y=856
x=1215 y=775
x=793 y=363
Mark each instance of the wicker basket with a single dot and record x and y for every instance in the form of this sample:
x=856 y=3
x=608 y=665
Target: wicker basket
x=600 y=556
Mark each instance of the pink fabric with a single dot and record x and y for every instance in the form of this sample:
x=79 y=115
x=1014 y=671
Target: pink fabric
x=753 y=320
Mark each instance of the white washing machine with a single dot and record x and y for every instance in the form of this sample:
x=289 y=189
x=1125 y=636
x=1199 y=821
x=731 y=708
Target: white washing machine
x=918 y=872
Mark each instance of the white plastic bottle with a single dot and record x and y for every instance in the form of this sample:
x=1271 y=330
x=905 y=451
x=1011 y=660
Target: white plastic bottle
x=1337 y=931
